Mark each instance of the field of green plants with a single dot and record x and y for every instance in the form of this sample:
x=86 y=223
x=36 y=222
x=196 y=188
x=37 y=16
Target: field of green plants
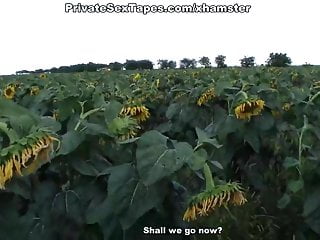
x=101 y=156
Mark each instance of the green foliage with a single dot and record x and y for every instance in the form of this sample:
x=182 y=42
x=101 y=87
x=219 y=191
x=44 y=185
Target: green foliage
x=205 y=61
x=247 y=62
x=115 y=66
x=98 y=185
x=166 y=64
x=188 y=63
x=220 y=61
x=141 y=64
x=278 y=60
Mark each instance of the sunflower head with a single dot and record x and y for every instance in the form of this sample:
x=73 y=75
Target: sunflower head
x=206 y=202
x=137 y=77
x=195 y=74
x=9 y=92
x=34 y=90
x=25 y=156
x=206 y=97
x=286 y=107
x=138 y=112
x=43 y=76
x=249 y=108
x=124 y=128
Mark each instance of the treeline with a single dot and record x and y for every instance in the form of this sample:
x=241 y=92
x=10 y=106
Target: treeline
x=274 y=60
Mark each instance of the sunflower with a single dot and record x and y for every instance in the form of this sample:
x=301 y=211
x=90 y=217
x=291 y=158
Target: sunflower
x=9 y=92
x=34 y=91
x=130 y=134
x=206 y=202
x=28 y=158
x=140 y=113
x=137 y=77
x=206 y=97
x=43 y=76
x=286 y=107
x=249 y=108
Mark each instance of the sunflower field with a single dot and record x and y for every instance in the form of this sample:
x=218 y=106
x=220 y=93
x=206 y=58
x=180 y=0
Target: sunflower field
x=101 y=156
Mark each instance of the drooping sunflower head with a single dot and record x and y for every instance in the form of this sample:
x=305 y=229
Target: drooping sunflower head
x=34 y=90
x=9 y=92
x=138 y=112
x=249 y=108
x=206 y=202
x=206 y=97
x=124 y=128
x=25 y=156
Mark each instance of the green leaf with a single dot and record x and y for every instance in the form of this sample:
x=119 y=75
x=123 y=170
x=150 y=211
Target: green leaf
x=12 y=135
x=290 y=162
x=112 y=110
x=50 y=123
x=199 y=158
x=204 y=138
x=94 y=129
x=154 y=159
x=20 y=186
x=311 y=203
x=70 y=141
x=172 y=110
x=98 y=210
x=184 y=151
x=284 y=201
x=135 y=199
x=252 y=138
x=84 y=167
x=295 y=185
x=12 y=109
x=217 y=164
x=264 y=121
x=221 y=86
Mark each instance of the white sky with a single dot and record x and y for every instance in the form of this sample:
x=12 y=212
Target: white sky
x=39 y=34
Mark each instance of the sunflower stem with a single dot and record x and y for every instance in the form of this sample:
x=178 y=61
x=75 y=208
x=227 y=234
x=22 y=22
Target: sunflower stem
x=208 y=176
x=303 y=130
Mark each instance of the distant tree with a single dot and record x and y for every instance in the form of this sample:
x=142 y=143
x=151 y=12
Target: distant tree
x=188 y=63
x=307 y=64
x=247 y=61
x=131 y=65
x=220 y=59
x=115 y=66
x=53 y=70
x=166 y=64
x=163 y=63
x=39 y=71
x=172 y=64
x=145 y=64
x=278 y=60
x=22 y=72
x=141 y=64
x=205 y=61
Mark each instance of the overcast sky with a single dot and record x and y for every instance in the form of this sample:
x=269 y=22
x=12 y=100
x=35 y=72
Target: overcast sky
x=39 y=34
